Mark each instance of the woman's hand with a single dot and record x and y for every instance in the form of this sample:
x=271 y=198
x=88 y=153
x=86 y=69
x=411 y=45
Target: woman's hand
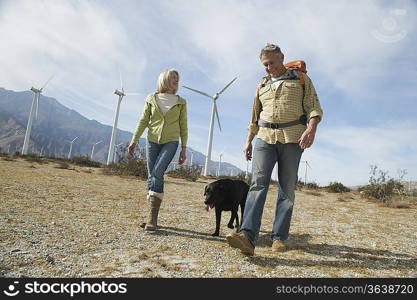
x=247 y=150
x=131 y=148
x=183 y=155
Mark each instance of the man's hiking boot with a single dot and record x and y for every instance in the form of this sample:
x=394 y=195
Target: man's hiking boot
x=242 y=242
x=278 y=246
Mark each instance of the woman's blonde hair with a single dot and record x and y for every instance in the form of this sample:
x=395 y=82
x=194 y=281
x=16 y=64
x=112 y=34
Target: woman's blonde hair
x=162 y=85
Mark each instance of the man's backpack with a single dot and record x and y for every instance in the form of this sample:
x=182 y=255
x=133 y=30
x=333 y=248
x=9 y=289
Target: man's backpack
x=299 y=66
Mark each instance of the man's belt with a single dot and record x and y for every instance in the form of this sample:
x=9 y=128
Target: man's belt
x=301 y=120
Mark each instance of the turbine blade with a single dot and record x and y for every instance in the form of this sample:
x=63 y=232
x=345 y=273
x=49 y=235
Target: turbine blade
x=227 y=85
x=121 y=81
x=197 y=91
x=50 y=78
x=217 y=115
x=132 y=94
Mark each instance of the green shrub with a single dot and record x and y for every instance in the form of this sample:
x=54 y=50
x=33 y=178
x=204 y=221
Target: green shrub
x=33 y=157
x=85 y=161
x=8 y=158
x=382 y=187
x=191 y=173
x=129 y=165
x=337 y=187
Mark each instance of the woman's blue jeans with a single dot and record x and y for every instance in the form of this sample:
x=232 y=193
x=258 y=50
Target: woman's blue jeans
x=159 y=158
x=264 y=158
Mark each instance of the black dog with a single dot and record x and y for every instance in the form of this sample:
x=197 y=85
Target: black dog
x=227 y=195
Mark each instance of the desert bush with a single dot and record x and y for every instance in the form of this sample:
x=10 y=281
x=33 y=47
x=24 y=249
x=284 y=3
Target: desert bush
x=381 y=186
x=33 y=157
x=242 y=176
x=8 y=158
x=309 y=185
x=337 y=187
x=128 y=165
x=85 y=161
x=191 y=173
x=300 y=184
x=312 y=186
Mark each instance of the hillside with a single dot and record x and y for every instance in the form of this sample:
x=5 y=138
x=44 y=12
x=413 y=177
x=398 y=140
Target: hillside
x=78 y=222
x=56 y=125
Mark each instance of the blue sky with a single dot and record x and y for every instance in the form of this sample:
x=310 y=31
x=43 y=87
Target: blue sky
x=360 y=55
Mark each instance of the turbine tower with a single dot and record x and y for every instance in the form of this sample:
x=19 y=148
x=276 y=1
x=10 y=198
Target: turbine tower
x=115 y=151
x=121 y=94
x=220 y=164
x=33 y=110
x=305 y=174
x=213 y=112
x=70 y=151
x=92 y=150
x=191 y=161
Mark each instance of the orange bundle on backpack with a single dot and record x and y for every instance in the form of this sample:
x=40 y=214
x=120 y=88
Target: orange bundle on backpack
x=299 y=66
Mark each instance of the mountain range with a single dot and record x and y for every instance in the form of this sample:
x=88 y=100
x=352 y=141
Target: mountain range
x=56 y=125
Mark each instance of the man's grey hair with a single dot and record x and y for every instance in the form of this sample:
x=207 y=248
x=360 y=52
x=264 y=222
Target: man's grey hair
x=269 y=49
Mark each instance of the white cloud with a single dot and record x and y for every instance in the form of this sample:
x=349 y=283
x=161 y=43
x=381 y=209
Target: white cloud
x=80 y=42
x=344 y=154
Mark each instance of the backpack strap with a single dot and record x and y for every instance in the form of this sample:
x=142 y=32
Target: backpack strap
x=298 y=74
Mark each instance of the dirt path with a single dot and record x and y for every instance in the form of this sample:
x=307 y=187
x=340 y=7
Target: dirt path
x=80 y=223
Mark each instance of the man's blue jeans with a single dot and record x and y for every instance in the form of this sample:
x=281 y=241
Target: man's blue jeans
x=159 y=158
x=264 y=158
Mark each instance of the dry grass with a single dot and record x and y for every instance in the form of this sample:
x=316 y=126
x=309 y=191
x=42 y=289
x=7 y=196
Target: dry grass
x=313 y=193
x=77 y=222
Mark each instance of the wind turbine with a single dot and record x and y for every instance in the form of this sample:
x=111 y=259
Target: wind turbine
x=92 y=150
x=33 y=110
x=191 y=161
x=70 y=151
x=305 y=175
x=121 y=94
x=115 y=147
x=220 y=163
x=213 y=112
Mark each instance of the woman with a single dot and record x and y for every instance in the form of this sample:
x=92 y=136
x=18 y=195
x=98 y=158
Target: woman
x=165 y=116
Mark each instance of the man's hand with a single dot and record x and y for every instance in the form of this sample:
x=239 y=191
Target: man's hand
x=131 y=148
x=247 y=150
x=183 y=155
x=307 y=138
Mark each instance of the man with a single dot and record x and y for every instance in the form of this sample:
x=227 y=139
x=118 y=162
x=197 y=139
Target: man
x=285 y=115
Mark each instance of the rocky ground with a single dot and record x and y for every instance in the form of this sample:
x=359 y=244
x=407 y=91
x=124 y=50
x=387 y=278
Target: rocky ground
x=78 y=222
